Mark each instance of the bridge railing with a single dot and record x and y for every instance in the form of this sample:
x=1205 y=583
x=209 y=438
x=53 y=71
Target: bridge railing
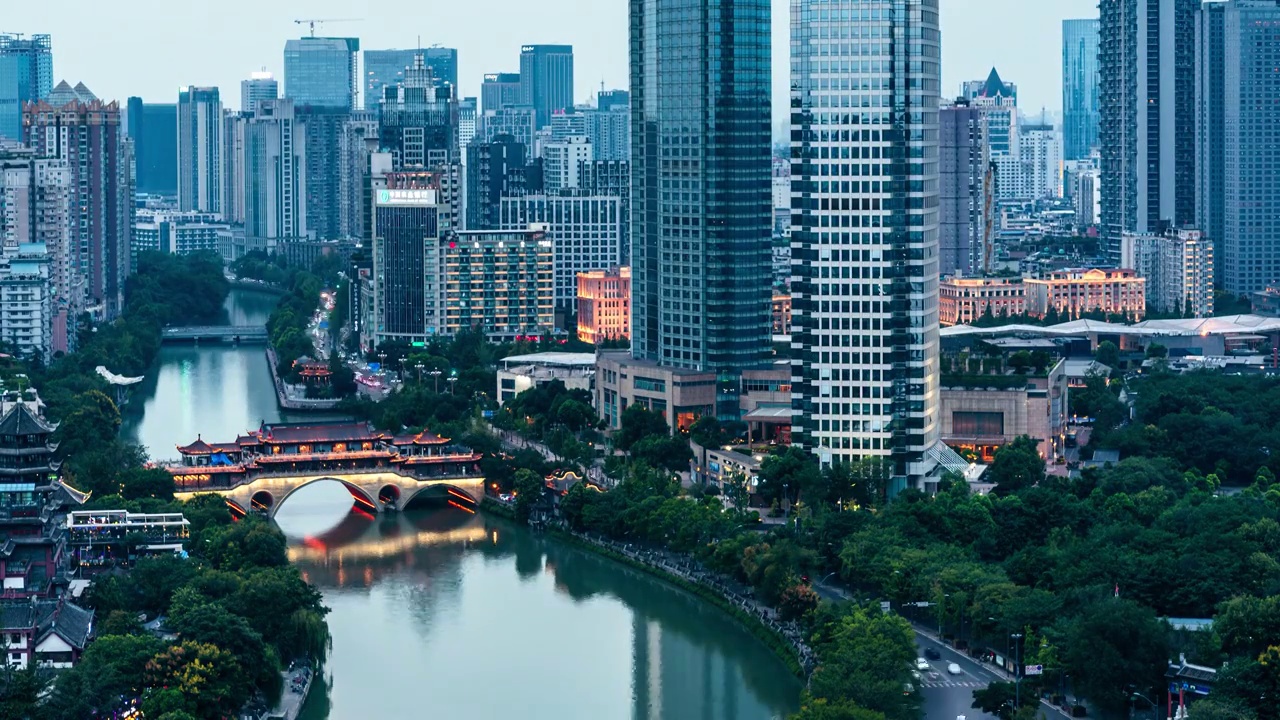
x=233 y=482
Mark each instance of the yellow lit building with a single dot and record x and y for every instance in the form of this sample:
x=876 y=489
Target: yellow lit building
x=499 y=282
x=963 y=300
x=1073 y=293
x=604 y=305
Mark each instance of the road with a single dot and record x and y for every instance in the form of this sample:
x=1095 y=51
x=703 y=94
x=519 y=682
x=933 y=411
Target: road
x=945 y=696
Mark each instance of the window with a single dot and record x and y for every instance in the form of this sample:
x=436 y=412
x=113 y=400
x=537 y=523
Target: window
x=977 y=424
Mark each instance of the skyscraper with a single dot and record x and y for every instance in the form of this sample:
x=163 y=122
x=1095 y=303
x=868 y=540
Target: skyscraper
x=37 y=193
x=26 y=75
x=261 y=85
x=1079 y=87
x=546 y=79
x=153 y=128
x=864 y=242
x=1238 y=133
x=965 y=187
x=495 y=170
x=1146 y=86
x=499 y=90
x=321 y=72
x=73 y=125
x=998 y=100
x=386 y=68
x=701 y=221
x=275 y=176
x=200 y=150
x=419 y=120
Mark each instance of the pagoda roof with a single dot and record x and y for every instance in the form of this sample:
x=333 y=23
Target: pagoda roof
x=21 y=421
x=199 y=447
x=319 y=432
x=426 y=437
x=226 y=447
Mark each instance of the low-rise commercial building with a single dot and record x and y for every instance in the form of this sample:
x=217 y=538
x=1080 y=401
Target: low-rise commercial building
x=524 y=372
x=604 y=305
x=983 y=412
x=1073 y=293
x=681 y=396
x=105 y=539
x=964 y=300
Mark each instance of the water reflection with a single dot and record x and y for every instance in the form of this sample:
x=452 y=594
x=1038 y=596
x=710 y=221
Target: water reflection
x=440 y=598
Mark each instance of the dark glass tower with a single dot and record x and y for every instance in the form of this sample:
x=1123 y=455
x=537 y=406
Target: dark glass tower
x=701 y=188
x=1079 y=87
x=26 y=75
x=546 y=79
x=153 y=128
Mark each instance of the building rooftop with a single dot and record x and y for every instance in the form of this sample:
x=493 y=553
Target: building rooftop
x=20 y=420
x=1226 y=325
x=562 y=359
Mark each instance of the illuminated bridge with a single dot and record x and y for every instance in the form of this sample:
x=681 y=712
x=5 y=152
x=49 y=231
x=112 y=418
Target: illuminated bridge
x=260 y=470
x=227 y=333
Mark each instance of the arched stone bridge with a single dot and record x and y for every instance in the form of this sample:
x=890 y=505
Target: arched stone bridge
x=372 y=491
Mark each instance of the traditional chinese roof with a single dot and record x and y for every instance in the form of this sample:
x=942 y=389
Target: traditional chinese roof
x=17 y=615
x=434 y=459
x=227 y=447
x=309 y=457
x=426 y=437
x=319 y=432
x=68 y=621
x=199 y=447
x=21 y=421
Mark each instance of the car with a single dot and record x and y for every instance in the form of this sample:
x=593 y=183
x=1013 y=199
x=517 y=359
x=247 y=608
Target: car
x=916 y=675
x=954 y=669
x=908 y=688
x=932 y=654
x=922 y=665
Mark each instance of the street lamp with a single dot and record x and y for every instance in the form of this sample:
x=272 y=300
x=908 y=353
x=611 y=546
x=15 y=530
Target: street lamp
x=1155 y=709
x=435 y=380
x=1017 y=668
x=419 y=366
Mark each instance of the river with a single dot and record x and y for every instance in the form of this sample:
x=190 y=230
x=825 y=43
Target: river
x=443 y=614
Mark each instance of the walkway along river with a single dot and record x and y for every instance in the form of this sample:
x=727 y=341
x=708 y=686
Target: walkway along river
x=443 y=614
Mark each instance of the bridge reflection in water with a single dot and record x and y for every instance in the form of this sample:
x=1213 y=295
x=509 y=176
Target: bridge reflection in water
x=577 y=636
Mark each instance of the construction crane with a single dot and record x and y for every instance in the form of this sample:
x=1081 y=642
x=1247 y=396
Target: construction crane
x=311 y=22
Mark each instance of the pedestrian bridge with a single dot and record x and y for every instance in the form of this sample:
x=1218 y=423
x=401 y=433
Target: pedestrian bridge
x=224 y=333
x=373 y=492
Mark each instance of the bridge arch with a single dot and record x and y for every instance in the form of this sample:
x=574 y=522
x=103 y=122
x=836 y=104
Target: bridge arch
x=389 y=494
x=445 y=490
x=358 y=494
x=263 y=501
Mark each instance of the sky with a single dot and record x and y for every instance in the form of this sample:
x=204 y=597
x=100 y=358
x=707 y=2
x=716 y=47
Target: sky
x=151 y=48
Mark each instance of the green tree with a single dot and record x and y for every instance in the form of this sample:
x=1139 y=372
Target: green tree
x=670 y=453
x=1017 y=466
x=637 y=423
x=823 y=709
x=20 y=691
x=865 y=658
x=790 y=474
x=110 y=671
x=1107 y=354
x=208 y=677
x=1112 y=645
x=1000 y=699
x=529 y=489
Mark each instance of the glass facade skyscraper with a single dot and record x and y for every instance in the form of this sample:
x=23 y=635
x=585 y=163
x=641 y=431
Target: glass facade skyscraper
x=546 y=79
x=26 y=75
x=1079 y=87
x=865 y=90
x=153 y=128
x=386 y=68
x=200 y=149
x=701 y=208
x=321 y=72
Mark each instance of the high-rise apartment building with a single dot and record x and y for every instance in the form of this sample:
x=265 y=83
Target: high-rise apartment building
x=419 y=120
x=321 y=72
x=275 y=153
x=562 y=161
x=1040 y=161
x=1238 y=193
x=200 y=184
x=153 y=128
x=864 y=235
x=546 y=79
x=323 y=137
x=998 y=100
x=358 y=142
x=1178 y=267
x=1146 y=85
x=495 y=170
x=73 y=125
x=234 y=125
x=260 y=85
x=612 y=178
x=518 y=122
x=467 y=115
x=609 y=130
x=585 y=230
x=607 y=100
x=966 y=188
x=35 y=193
x=26 y=75
x=700 y=163
x=499 y=90
x=176 y=233
x=499 y=282
x=1079 y=87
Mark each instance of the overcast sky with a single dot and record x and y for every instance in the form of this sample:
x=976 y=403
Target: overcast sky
x=152 y=47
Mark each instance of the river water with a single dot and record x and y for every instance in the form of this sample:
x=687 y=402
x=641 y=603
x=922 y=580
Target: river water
x=437 y=613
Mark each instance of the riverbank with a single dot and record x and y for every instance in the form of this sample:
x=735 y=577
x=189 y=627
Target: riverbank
x=791 y=650
x=291 y=403
x=256 y=285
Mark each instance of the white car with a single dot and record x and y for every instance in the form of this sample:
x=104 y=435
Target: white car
x=922 y=665
x=954 y=669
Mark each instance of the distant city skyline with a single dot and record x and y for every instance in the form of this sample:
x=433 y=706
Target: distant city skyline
x=153 y=55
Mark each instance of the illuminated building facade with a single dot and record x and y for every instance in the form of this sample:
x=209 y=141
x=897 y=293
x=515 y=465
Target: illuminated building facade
x=604 y=305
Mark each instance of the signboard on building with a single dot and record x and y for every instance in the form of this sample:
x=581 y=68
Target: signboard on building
x=407 y=197
x=1034 y=670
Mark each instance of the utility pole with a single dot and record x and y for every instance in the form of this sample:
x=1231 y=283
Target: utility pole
x=1017 y=670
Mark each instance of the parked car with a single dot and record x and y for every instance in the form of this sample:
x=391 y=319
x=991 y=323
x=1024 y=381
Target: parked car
x=922 y=665
x=954 y=669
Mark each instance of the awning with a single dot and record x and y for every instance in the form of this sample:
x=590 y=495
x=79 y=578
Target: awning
x=770 y=415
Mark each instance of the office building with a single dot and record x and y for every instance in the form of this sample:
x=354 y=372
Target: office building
x=419 y=120
x=700 y=254
x=607 y=100
x=321 y=72
x=359 y=140
x=1079 y=88
x=604 y=305
x=153 y=128
x=586 y=232
x=1178 y=267
x=260 y=85
x=567 y=124
x=36 y=195
x=1146 y=85
x=467 y=115
x=499 y=90
x=546 y=79
x=73 y=125
x=612 y=178
x=275 y=155
x=176 y=233
x=200 y=150
x=518 y=122
x=323 y=137
x=983 y=413
x=1073 y=293
x=966 y=189
x=495 y=170
x=499 y=282
x=864 y=283
x=26 y=75
x=963 y=300
x=562 y=161
x=609 y=131
x=409 y=296
x=386 y=68
x=1238 y=195
x=234 y=125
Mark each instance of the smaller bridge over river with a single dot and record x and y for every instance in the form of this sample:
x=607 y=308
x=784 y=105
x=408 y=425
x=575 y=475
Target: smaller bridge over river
x=223 y=333
x=263 y=468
